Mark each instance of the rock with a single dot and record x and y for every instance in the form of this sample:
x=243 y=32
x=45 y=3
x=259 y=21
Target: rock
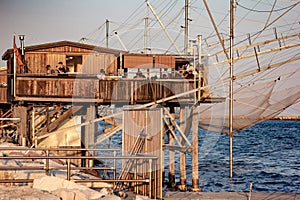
x=72 y=194
x=139 y=197
x=107 y=191
x=110 y=197
x=50 y=184
x=64 y=194
x=25 y=193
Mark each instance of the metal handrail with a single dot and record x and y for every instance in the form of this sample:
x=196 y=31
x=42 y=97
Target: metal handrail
x=150 y=180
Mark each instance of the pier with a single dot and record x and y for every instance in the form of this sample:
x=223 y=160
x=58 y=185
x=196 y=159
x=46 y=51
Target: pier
x=61 y=110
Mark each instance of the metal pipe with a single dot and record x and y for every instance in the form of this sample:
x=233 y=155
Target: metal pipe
x=16 y=180
x=76 y=181
x=53 y=149
x=150 y=178
x=10 y=119
x=54 y=168
x=111 y=181
x=76 y=157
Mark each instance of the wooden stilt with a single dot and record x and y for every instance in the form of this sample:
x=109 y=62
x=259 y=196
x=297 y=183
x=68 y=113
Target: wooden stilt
x=182 y=118
x=34 y=140
x=89 y=132
x=195 y=167
x=171 y=155
x=21 y=112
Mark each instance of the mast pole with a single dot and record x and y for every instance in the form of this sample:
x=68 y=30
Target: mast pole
x=200 y=69
x=107 y=30
x=146 y=34
x=186 y=27
x=163 y=26
x=232 y=2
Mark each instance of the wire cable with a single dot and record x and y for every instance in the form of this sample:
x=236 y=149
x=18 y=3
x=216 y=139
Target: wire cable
x=265 y=11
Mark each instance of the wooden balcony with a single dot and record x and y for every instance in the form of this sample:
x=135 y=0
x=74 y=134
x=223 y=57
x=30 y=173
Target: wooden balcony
x=91 y=89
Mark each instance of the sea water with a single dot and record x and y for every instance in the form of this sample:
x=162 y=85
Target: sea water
x=266 y=155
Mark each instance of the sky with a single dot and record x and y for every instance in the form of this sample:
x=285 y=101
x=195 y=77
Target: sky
x=43 y=21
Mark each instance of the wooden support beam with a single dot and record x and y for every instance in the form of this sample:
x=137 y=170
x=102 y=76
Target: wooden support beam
x=259 y=43
x=172 y=119
x=52 y=126
x=257 y=61
x=34 y=141
x=108 y=135
x=89 y=131
x=171 y=129
x=195 y=165
x=21 y=112
x=259 y=53
x=182 y=119
x=176 y=148
x=171 y=153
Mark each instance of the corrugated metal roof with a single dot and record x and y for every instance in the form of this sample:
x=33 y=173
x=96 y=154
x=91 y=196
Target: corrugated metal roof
x=8 y=52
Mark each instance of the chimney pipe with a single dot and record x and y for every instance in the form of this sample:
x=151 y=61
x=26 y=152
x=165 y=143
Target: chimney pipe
x=21 y=38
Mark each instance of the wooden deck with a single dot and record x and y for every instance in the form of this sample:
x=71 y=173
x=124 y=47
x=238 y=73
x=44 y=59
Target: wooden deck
x=231 y=196
x=91 y=89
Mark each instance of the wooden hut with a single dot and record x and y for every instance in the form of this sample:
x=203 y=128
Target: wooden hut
x=77 y=57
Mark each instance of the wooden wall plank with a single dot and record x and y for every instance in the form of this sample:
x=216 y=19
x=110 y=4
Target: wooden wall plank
x=92 y=63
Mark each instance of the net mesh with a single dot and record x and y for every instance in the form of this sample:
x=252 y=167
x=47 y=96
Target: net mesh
x=267 y=82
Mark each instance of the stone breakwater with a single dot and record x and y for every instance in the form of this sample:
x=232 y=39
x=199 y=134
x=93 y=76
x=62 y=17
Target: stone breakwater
x=45 y=187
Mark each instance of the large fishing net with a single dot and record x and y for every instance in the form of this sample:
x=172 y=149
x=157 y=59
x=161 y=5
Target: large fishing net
x=266 y=83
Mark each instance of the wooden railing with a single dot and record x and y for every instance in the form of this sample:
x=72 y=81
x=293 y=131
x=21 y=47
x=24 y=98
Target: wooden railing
x=104 y=90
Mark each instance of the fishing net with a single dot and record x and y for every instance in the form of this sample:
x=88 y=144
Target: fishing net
x=267 y=82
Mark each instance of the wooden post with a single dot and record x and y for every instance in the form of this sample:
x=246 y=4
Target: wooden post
x=47 y=118
x=182 y=118
x=89 y=132
x=171 y=155
x=34 y=140
x=195 y=168
x=21 y=112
